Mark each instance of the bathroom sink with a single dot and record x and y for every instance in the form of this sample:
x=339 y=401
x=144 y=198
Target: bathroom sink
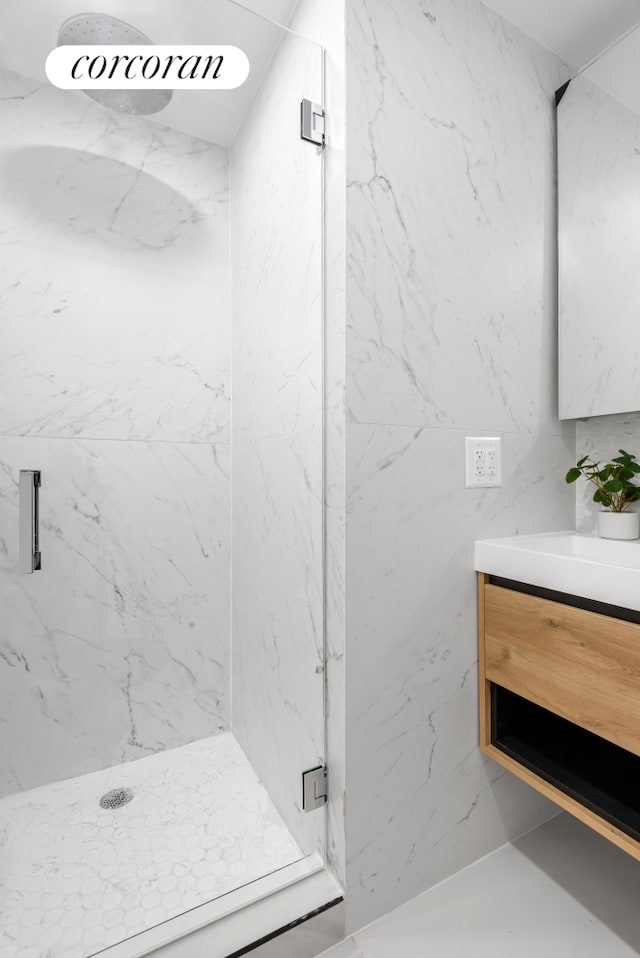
x=584 y=565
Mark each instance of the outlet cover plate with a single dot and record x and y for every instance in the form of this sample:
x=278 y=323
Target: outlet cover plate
x=483 y=462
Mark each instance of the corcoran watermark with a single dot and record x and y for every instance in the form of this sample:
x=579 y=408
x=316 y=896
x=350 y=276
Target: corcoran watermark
x=147 y=67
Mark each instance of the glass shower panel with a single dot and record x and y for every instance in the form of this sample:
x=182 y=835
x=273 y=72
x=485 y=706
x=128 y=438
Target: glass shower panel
x=276 y=295
x=162 y=673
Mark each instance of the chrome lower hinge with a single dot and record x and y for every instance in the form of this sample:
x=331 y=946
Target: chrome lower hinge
x=313 y=123
x=314 y=788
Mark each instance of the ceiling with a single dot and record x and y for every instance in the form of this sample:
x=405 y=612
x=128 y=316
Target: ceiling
x=576 y=30
x=28 y=30
x=617 y=72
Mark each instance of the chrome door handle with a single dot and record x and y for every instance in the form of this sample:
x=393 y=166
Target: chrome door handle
x=29 y=521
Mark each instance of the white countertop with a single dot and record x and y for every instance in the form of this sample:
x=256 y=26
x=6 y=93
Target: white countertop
x=606 y=570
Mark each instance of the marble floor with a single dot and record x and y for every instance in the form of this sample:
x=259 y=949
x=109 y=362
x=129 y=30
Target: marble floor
x=559 y=892
x=76 y=878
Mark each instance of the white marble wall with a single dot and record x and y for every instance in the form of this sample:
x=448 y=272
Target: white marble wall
x=599 y=218
x=115 y=269
x=601 y=438
x=277 y=633
x=450 y=332
x=115 y=326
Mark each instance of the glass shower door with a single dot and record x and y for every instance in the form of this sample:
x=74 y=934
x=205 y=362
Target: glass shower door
x=161 y=674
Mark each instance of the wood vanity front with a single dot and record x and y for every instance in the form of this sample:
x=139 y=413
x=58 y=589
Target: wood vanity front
x=560 y=701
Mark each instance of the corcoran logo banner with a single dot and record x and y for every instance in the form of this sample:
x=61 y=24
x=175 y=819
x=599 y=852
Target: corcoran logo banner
x=147 y=67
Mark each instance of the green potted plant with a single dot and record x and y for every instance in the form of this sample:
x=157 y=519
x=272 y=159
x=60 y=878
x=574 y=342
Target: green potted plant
x=615 y=491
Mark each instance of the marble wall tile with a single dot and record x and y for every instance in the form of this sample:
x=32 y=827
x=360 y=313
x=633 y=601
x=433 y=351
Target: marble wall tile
x=276 y=262
x=119 y=646
x=433 y=803
x=601 y=438
x=451 y=220
x=450 y=331
x=114 y=281
x=277 y=649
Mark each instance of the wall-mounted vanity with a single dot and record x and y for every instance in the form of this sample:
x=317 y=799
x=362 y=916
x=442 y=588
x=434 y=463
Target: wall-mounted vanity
x=599 y=234
x=559 y=664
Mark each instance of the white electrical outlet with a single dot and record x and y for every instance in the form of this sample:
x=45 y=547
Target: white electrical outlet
x=483 y=462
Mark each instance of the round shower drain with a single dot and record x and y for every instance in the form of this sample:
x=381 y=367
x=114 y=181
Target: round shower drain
x=116 y=798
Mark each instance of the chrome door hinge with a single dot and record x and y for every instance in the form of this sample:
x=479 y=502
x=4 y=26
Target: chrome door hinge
x=314 y=788
x=313 y=123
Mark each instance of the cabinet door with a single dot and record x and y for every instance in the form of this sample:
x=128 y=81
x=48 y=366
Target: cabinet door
x=581 y=665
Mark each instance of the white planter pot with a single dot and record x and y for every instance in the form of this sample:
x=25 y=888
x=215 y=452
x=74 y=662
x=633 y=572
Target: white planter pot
x=619 y=525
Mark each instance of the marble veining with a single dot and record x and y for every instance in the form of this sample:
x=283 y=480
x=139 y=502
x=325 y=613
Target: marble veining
x=114 y=244
x=277 y=529
x=114 y=293
x=277 y=648
x=450 y=328
x=325 y=23
x=449 y=234
x=75 y=878
x=433 y=802
x=276 y=254
x=120 y=645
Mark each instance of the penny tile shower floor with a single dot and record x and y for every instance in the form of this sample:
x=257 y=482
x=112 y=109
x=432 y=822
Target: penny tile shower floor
x=75 y=878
